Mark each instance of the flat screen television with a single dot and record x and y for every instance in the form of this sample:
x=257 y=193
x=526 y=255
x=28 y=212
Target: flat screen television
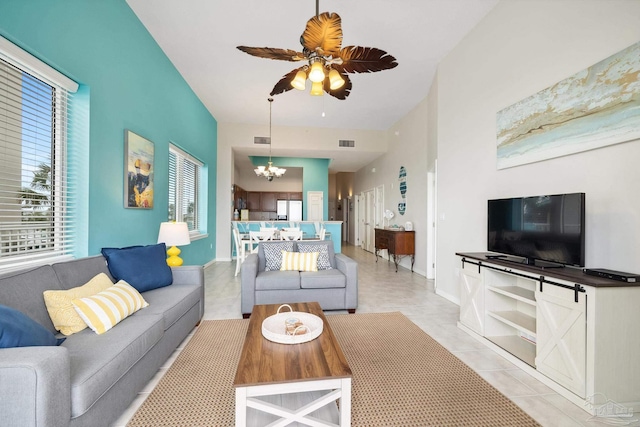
x=545 y=228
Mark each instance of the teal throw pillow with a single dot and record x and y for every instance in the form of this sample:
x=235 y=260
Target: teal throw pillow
x=143 y=267
x=19 y=330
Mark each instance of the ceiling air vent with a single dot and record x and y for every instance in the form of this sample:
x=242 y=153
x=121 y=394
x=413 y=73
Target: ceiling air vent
x=346 y=143
x=261 y=140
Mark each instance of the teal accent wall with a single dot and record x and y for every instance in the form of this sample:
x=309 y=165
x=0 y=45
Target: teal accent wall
x=315 y=176
x=126 y=83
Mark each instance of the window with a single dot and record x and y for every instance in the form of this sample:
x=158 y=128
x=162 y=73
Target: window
x=185 y=183
x=35 y=220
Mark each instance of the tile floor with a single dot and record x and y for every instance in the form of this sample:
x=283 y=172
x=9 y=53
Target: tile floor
x=382 y=289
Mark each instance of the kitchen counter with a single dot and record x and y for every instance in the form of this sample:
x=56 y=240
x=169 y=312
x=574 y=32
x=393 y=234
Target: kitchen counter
x=333 y=233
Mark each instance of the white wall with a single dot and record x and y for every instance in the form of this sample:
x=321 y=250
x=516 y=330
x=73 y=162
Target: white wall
x=520 y=48
x=407 y=141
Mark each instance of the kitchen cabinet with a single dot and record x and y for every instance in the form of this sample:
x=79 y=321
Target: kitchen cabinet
x=239 y=198
x=268 y=201
x=253 y=201
x=263 y=201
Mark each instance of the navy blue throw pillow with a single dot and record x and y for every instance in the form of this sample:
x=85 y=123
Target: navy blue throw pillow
x=143 y=267
x=19 y=330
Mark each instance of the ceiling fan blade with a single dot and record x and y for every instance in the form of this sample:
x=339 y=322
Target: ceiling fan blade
x=358 y=59
x=273 y=53
x=284 y=84
x=342 y=92
x=323 y=34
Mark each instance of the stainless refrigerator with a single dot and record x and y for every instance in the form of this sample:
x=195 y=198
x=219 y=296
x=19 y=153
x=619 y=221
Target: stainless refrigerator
x=289 y=210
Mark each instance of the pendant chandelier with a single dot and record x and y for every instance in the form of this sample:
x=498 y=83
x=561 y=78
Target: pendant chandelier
x=269 y=171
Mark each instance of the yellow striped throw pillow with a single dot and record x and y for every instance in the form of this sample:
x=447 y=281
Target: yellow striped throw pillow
x=298 y=261
x=105 y=309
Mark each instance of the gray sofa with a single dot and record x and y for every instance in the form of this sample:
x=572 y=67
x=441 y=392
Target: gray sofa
x=333 y=289
x=90 y=379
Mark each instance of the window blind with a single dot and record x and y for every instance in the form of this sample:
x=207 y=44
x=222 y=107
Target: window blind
x=185 y=173
x=36 y=224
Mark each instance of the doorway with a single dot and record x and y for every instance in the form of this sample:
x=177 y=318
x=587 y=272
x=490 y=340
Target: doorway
x=379 y=207
x=431 y=221
x=315 y=206
x=359 y=217
x=345 y=219
x=369 y=221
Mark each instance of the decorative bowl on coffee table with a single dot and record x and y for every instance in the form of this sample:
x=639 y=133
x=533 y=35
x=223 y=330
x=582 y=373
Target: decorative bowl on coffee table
x=274 y=328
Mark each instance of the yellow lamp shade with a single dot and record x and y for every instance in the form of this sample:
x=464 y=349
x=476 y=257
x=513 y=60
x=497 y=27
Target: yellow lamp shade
x=316 y=75
x=316 y=89
x=335 y=80
x=300 y=80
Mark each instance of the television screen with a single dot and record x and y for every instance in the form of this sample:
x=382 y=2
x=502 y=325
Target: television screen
x=546 y=228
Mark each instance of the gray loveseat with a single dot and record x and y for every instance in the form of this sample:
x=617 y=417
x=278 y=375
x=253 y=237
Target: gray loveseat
x=90 y=379
x=334 y=289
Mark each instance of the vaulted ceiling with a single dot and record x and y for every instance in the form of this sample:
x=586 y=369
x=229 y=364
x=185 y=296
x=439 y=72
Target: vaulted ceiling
x=200 y=38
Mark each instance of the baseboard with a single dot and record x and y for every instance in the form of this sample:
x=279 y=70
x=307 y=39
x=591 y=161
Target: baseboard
x=448 y=296
x=210 y=263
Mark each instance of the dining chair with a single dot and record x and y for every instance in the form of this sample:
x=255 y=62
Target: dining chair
x=320 y=230
x=291 y=234
x=243 y=229
x=257 y=237
x=271 y=230
x=239 y=249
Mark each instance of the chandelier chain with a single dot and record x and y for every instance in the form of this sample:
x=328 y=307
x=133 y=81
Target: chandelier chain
x=270 y=171
x=270 y=105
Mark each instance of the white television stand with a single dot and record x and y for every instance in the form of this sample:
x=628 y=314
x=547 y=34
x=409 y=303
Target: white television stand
x=576 y=333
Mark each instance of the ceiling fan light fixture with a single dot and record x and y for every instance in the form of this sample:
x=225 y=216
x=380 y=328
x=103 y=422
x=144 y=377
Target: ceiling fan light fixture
x=316 y=89
x=335 y=79
x=322 y=48
x=316 y=75
x=300 y=80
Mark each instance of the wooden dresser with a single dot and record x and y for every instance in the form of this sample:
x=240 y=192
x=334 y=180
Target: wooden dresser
x=397 y=243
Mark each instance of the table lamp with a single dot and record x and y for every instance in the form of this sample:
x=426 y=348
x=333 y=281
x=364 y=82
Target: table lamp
x=174 y=234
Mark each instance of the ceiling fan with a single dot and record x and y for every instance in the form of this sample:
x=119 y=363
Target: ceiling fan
x=327 y=62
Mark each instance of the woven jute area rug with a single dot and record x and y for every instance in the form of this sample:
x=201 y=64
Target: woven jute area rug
x=401 y=377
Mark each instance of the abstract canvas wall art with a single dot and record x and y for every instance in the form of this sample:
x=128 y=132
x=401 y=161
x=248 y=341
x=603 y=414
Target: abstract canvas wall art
x=138 y=171
x=595 y=107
